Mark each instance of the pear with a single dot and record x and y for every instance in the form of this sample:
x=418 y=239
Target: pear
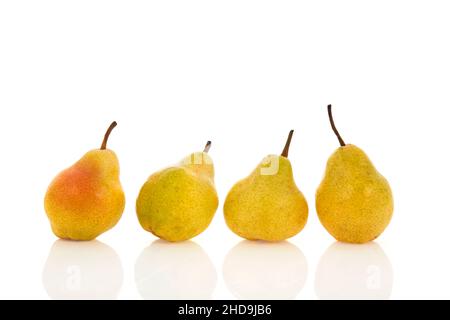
x=267 y=205
x=86 y=199
x=179 y=202
x=354 y=201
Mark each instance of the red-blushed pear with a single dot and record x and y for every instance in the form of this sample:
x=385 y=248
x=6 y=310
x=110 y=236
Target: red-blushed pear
x=86 y=199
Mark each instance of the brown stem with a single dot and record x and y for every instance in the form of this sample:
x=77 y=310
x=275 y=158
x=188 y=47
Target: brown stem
x=108 y=132
x=285 y=152
x=207 y=147
x=336 y=132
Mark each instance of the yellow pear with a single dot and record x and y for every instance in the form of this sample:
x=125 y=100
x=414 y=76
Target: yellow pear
x=179 y=202
x=86 y=199
x=354 y=201
x=267 y=205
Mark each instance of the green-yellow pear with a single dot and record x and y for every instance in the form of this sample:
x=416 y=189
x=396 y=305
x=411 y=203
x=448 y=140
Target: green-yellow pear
x=267 y=205
x=179 y=202
x=86 y=199
x=354 y=201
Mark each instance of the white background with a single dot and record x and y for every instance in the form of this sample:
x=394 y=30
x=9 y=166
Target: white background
x=174 y=74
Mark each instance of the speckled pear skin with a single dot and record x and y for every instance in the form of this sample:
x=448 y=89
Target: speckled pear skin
x=264 y=206
x=179 y=202
x=86 y=199
x=354 y=202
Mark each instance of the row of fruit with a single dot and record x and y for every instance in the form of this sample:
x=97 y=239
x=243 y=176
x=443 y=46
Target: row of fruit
x=354 y=201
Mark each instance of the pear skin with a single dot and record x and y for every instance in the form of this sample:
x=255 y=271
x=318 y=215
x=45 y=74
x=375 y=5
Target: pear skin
x=354 y=202
x=179 y=202
x=86 y=199
x=267 y=205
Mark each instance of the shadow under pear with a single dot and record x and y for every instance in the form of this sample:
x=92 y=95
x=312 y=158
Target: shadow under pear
x=183 y=270
x=354 y=271
x=262 y=270
x=82 y=270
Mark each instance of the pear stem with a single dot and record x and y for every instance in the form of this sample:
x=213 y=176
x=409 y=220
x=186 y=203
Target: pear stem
x=336 y=132
x=285 y=152
x=207 y=147
x=108 y=132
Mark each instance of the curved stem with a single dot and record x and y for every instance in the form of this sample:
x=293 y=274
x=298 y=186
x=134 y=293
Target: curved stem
x=285 y=152
x=336 y=132
x=108 y=132
x=207 y=147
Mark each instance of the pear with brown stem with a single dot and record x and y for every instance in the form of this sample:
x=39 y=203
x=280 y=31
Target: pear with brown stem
x=86 y=199
x=354 y=201
x=179 y=202
x=267 y=205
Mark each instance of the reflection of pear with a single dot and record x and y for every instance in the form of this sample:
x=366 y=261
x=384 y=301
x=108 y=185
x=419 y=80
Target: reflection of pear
x=267 y=205
x=86 y=199
x=348 y=271
x=179 y=202
x=175 y=271
x=354 y=201
x=265 y=270
x=82 y=270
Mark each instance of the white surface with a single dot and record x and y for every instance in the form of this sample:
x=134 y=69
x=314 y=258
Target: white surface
x=241 y=73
